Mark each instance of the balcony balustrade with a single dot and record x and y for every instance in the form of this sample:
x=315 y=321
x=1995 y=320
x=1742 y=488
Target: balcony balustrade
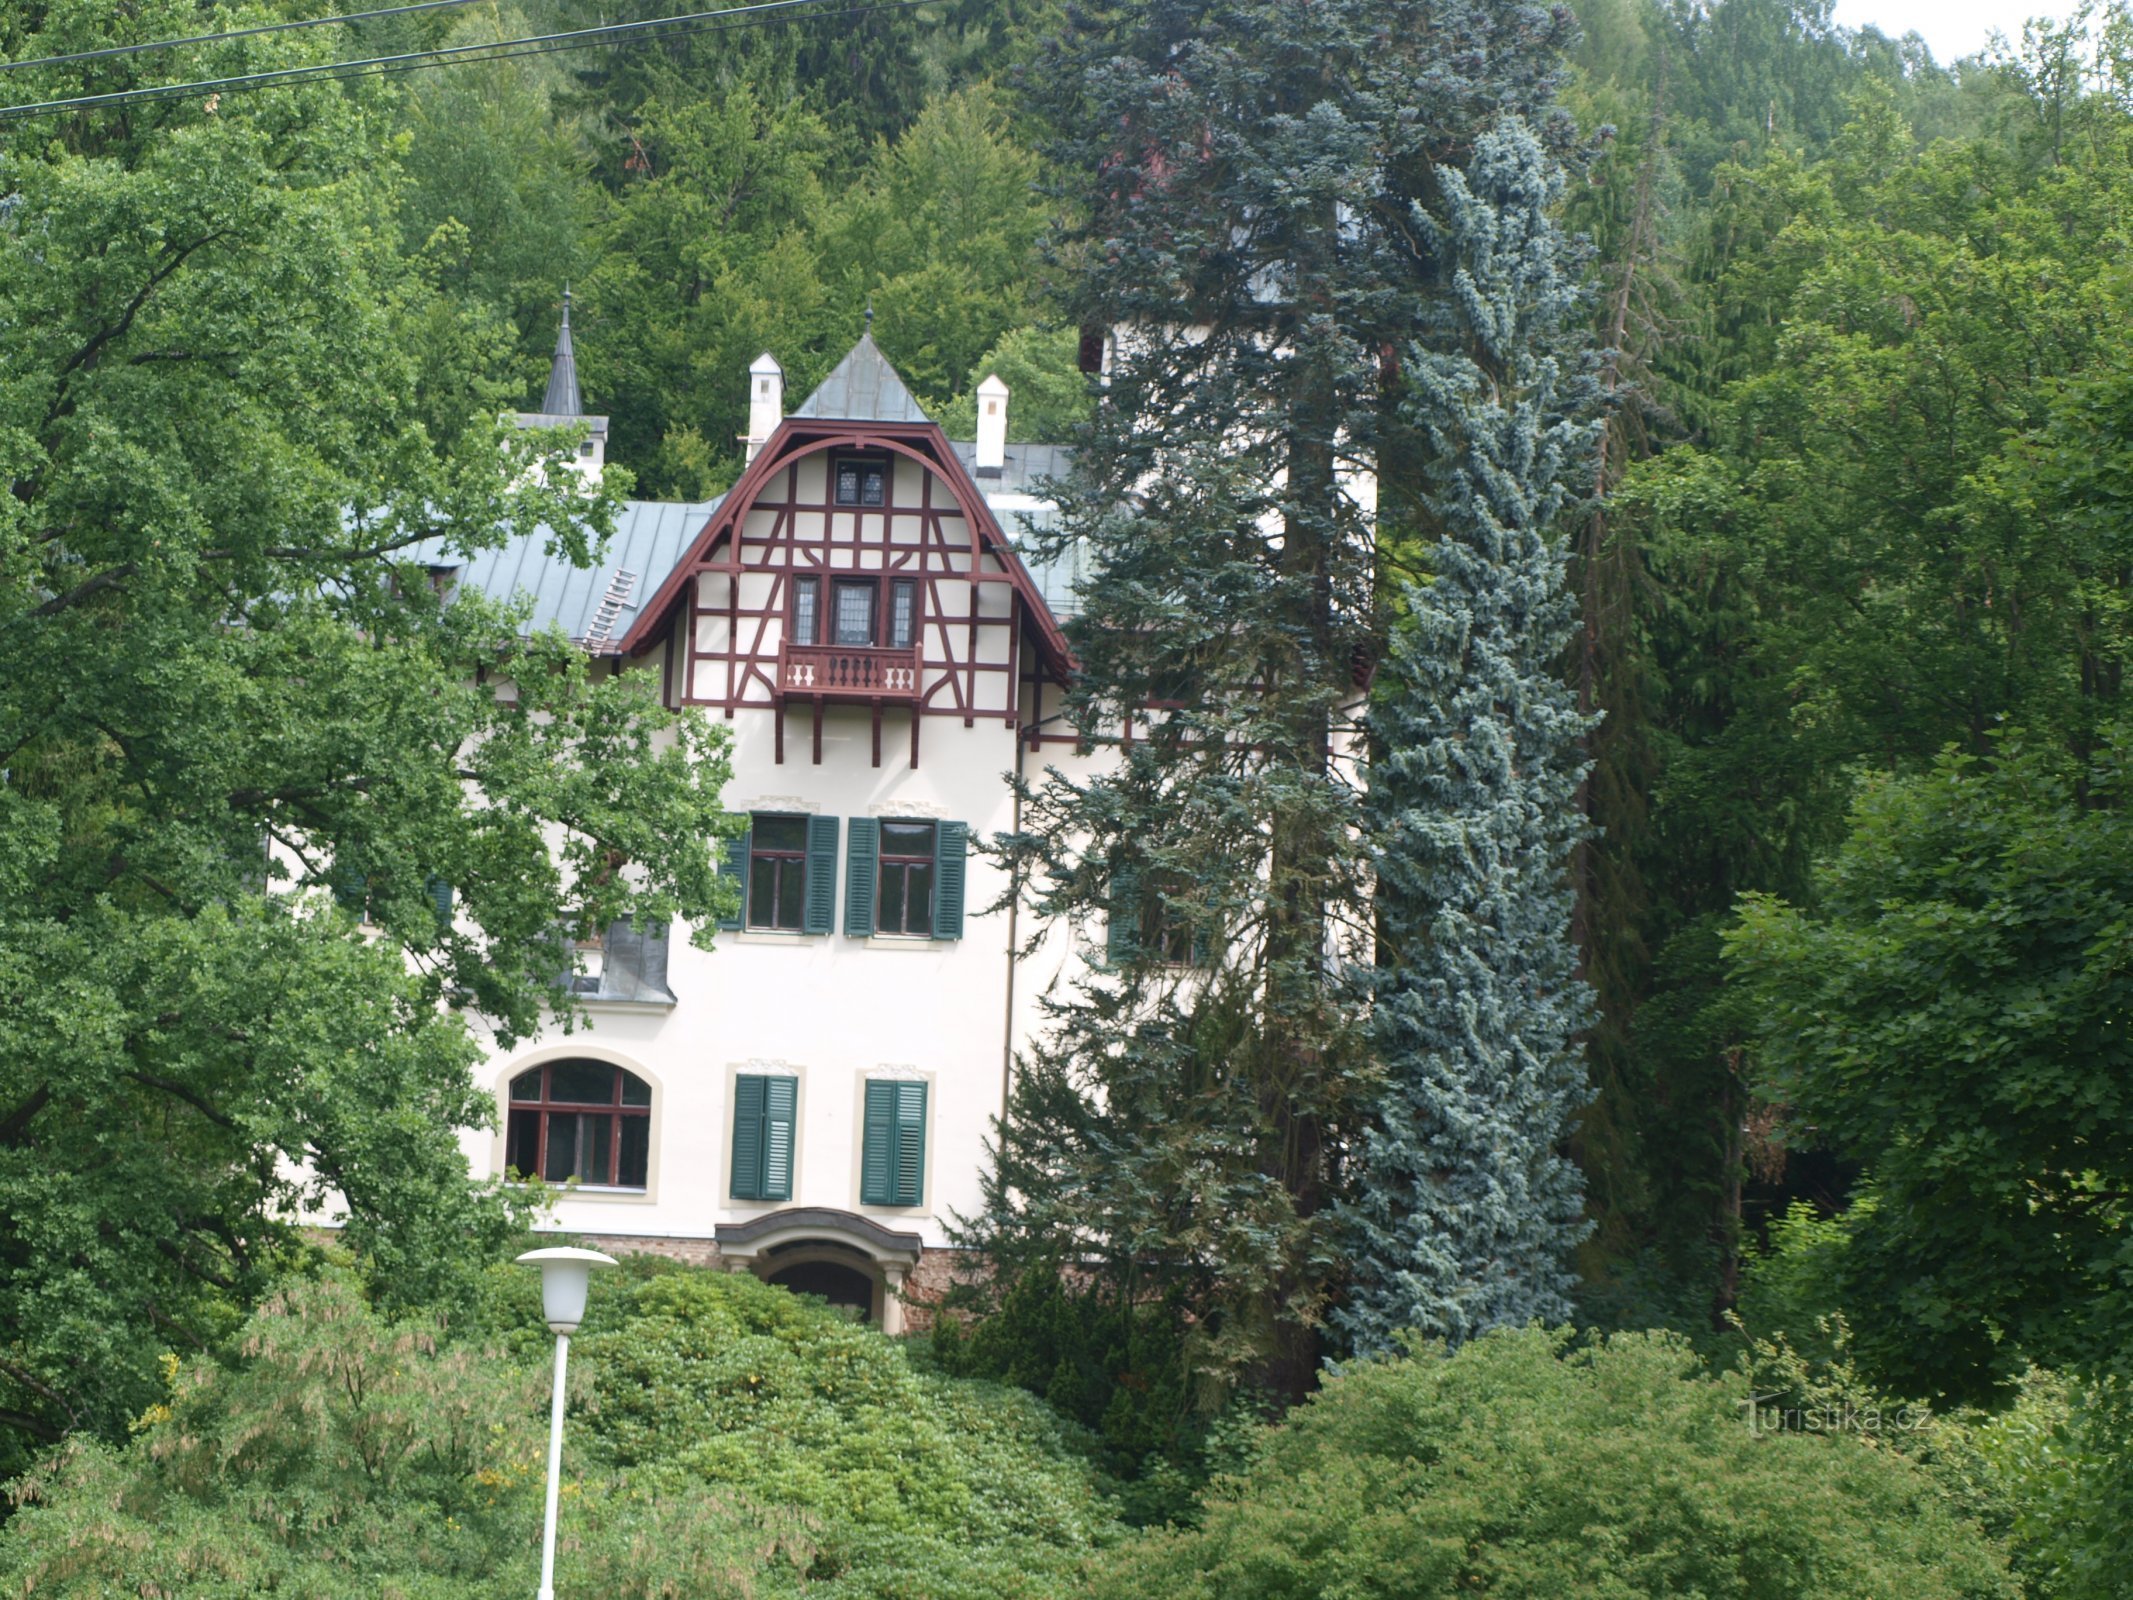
x=848 y=672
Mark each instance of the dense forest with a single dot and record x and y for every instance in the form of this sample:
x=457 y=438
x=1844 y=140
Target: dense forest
x=1836 y=748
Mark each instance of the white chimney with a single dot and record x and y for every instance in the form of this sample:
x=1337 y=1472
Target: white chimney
x=766 y=401
x=992 y=424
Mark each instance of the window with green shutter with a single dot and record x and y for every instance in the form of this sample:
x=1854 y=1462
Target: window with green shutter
x=736 y=872
x=1122 y=924
x=821 y=875
x=788 y=872
x=950 y=847
x=1150 y=916
x=763 y=1108
x=892 y=1159
x=904 y=878
x=351 y=889
x=861 y=867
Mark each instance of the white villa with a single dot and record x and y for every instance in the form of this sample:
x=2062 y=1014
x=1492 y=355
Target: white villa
x=810 y=1101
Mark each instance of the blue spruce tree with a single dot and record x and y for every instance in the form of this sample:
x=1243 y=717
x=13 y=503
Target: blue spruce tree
x=1464 y=1207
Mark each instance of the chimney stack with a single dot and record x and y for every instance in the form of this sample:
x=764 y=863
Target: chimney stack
x=766 y=402
x=992 y=426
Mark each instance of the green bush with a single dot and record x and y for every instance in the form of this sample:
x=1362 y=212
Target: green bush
x=2057 y=1466
x=1521 y=1467
x=915 y=1483
x=727 y=1439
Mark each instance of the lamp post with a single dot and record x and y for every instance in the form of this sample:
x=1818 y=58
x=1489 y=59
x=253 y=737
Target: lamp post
x=566 y=1275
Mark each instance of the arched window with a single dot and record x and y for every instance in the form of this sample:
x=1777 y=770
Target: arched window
x=587 y=1120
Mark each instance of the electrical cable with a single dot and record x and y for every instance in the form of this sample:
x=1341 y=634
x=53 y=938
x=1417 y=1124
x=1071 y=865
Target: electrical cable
x=753 y=15
x=234 y=33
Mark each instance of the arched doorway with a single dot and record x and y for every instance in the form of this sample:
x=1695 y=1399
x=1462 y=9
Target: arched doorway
x=844 y=1287
x=848 y=1259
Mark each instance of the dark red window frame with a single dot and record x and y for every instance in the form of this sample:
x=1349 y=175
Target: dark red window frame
x=901 y=590
x=763 y=909
x=839 y=583
x=905 y=860
x=811 y=583
x=544 y=1107
x=865 y=464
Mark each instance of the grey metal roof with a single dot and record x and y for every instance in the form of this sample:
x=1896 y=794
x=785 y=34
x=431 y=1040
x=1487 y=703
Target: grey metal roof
x=651 y=537
x=562 y=398
x=863 y=388
x=1025 y=466
x=1058 y=579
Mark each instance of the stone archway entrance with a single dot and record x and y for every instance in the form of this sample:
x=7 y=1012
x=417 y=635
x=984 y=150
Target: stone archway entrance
x=848 y=1259
x=843 y=1285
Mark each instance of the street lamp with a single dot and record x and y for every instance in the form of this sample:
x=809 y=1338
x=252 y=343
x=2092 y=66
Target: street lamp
x=566 y=1275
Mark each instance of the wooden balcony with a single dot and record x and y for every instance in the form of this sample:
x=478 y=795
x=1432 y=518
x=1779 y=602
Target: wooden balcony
x=848 y=672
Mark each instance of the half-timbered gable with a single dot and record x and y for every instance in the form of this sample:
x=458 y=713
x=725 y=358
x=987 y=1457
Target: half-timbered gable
x=856 y=570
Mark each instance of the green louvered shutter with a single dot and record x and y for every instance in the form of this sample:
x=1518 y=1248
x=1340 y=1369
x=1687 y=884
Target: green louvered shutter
x=736 y=868
x=862 y=867
x=748 y=1098
x=351 y=889
x=441 y=902
x=910 y=1143
x=780 y=1097
x=1122 y=930
x=951 y=843
x=877 y=1151
x=821 y=913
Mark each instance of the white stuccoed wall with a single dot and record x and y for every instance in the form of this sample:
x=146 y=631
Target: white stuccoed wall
x=829 y=1011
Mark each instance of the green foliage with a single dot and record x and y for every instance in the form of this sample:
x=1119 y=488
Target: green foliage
x=1791 y=1282
x=738 y=237
x=2059 y=1464
x=1522 y=1466
x=1049 y=400
x=1178 y=1132
x=344 y=1454
x=1464 y=1210
x=1951 y=1012
x=912 y=1482
x=239 y=422
x=726 y=1438
x=1122 y=1371
x=1863 y=506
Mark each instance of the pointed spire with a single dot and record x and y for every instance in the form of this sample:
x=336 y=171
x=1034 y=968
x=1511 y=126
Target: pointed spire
x=562 y=398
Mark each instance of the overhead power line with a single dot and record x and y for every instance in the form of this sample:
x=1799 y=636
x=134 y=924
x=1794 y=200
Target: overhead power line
x=761 y=14
x=233 y=33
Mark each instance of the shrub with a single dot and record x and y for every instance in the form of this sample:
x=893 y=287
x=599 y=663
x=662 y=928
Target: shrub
x=728 y=1440
x=1524 y=1467
x=2058 y=1466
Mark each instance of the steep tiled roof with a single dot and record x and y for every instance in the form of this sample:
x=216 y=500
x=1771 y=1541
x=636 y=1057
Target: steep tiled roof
x=863 y=388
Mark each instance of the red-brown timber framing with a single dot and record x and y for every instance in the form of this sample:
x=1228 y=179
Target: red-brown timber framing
x=761 y=672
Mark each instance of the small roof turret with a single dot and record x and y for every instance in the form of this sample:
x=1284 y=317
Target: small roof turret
x=562 y=397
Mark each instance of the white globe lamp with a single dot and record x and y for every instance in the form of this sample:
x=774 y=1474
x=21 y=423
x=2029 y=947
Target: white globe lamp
x=566 y=1278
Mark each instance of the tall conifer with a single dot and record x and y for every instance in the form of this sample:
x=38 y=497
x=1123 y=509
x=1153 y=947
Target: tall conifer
x=1465 y=1207
x=1259 y=176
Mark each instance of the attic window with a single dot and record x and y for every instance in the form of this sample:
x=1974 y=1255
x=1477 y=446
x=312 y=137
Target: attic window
x=861 y=481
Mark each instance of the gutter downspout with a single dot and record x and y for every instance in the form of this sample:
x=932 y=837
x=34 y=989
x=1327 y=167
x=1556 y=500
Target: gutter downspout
x=1014 y=905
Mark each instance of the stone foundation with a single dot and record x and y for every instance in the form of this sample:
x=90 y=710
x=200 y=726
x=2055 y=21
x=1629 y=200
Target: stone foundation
x=926 y=1284
x=693 y=1252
